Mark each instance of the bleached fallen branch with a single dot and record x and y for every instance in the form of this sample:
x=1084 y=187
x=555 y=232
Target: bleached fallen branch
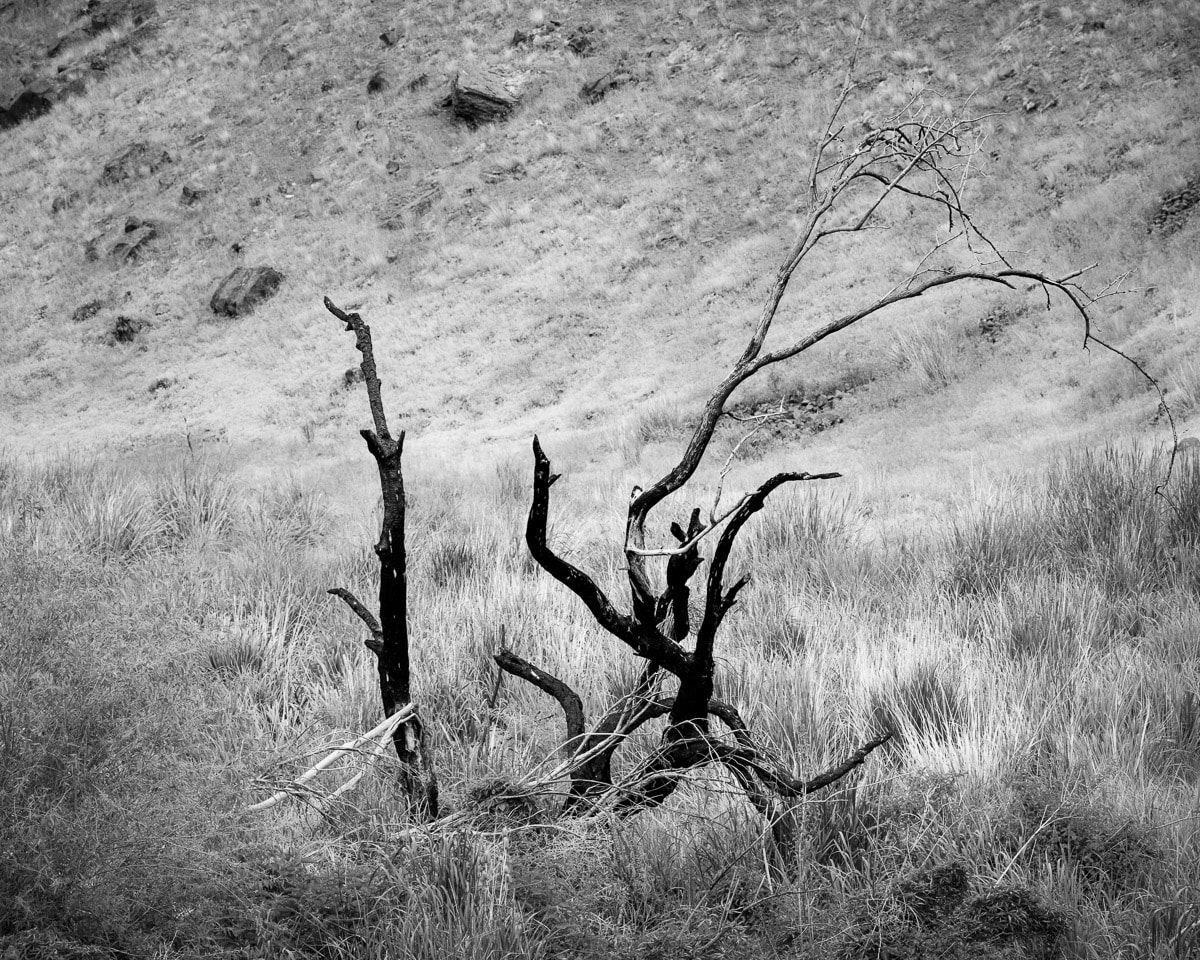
x=380 y=735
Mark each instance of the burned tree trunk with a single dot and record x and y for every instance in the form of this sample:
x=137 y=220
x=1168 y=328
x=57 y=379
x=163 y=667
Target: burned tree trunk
x=920 y=158
x=389 y=633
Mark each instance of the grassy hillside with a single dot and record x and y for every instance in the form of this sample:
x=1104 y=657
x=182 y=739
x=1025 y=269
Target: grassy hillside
x=994 y=577
x=557 y=270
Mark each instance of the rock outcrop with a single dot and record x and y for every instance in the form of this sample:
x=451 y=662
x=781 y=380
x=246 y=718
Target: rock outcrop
x=244 y=289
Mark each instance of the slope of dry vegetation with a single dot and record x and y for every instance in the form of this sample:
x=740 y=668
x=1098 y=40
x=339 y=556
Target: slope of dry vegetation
x=522 y=252
x=168 y=642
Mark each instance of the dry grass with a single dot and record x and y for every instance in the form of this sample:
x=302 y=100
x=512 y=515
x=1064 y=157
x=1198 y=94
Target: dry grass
x=168 y=653
x=1041 y=676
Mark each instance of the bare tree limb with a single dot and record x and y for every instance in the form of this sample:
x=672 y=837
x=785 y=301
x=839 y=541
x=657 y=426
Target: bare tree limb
x=567 y=698
x=375 y=641
x=643 y=638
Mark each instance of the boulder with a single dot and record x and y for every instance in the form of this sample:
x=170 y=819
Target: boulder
x=482 y=96
x=31 y=102
x=135 y=160
x=244 y=289
x=127 y=241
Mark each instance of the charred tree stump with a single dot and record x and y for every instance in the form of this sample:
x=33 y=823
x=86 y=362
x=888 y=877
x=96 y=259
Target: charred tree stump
x=388 y=638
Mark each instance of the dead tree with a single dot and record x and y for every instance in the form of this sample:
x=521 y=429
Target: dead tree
x=388 y=638
x=918 y=157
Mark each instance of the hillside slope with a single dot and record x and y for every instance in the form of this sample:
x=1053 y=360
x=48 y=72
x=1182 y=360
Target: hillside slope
x=556 y=271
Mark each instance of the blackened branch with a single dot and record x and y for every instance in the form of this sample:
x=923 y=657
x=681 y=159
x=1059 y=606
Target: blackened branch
x=362 y=340
x=643 y=639
x=567 y=698
x=375 y=642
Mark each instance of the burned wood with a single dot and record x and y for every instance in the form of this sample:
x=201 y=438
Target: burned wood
x=389 y=634
x=567 y=698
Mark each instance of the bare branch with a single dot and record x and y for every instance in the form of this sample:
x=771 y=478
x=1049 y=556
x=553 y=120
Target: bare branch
x=375 y=643
x=567 y=698
x=642 y=637
x=362 y=340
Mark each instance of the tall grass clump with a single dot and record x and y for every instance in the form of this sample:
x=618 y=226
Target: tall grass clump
x=1110 y=513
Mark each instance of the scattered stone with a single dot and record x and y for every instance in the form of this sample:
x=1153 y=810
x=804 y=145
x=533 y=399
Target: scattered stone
x=33 y=101
x=481 y=96
x=390 y=38
x=161 y=384
x=327 y=84
x=193 y=193
x=1092 y=26
x=132 y=246
x=136 y=160
x=64 y=201
x=393 y=166
x=418 y=82
x=124 y=243
x=125 y=329
x=540 y=34
x=581 y=42
x=244 y=289
x=87 y=311
x=1175 y=208
x=379 y=82
x=596 y=90
x=352 y=376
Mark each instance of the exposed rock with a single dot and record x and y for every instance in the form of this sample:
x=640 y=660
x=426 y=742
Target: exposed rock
x=582 y=40
x=390 y=38
x=138 y=160
x=35 y=100
x=540 y=34
x=418 y=82
x=482 y=96
x=193 y=193
x=244 y=289
x=125 y=329
x=126 y=242
x=133 y=245
x=87 y=311
x=393 y=166
x=379 y=82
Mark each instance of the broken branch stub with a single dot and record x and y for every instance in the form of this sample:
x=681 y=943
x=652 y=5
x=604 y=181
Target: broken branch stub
x=389 y=633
